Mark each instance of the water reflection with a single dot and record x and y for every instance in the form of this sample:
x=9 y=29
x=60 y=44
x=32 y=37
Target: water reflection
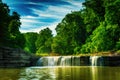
x=105 y=73
x=9 y=74
x=61 y=73
x=73 y=73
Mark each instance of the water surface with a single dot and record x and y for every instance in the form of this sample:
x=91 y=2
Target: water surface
x=61 y=73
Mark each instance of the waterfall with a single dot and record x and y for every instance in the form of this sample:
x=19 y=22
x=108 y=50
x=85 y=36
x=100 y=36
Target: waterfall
x=47 y=61
x=39 y=62
x=76 y=60
x=66 y=61
x=70 y=61
x=51 y=61
x=96 y=61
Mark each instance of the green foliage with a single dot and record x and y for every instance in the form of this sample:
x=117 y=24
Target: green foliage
x=90 y=20
x=30 y=39
x=117 y=46
x=59 y=45
x=86 y=48
x=96 y=28
x=70 y=34
x=97 y=6
x=99 y=41
x=14 y=27
x=17 y=39
x=77 y=50
x=14 y=24
x=4 y=20
x=105 y=34
x=113 y=12
x=44 y=40
x=9 y=28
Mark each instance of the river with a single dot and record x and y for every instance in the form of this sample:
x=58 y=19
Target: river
x=61 y=73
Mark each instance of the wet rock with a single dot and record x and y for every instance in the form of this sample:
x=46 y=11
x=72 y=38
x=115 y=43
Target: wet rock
x=11 y=57
x=111 y=60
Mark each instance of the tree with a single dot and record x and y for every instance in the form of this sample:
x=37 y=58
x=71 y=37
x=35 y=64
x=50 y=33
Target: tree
x=4 y=21
x=71 y=33
x=9 y=28
x=98 y=8
x=104 y=35
x=112 y=12
x=44 y=40
x=99 y=41
x=90 y=20
x=117 y=46
x=30 y=38
x=14 y=24
x=59 y=45
x=112 y=18
x=17 y=39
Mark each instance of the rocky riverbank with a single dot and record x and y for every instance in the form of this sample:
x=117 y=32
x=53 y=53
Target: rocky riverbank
x=11 y=57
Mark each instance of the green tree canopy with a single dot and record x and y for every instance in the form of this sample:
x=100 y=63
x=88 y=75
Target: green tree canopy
x=70 y=33
x=9 y=28
x=44 y=40
x=4 y=21
x=30 y=38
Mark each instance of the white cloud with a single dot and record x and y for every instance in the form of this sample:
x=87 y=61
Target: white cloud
x=28 y=17
x=51 y=11
x=58 y=9
x=34 y=3
x=51 y=27
x=46 y=13
x=31 y=21
x=76 y=5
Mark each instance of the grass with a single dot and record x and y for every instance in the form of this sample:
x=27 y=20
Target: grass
x=47 y=54
x=82 y=54
x=108 y=53
x=42 y=54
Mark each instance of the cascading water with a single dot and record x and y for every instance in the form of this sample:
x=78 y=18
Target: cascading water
x=66 y=61
x=76 y=61
x=96 y=61
x=55 y=61
x=47 y=61
x=39 y=62
x=70 y=61
x=51 y=61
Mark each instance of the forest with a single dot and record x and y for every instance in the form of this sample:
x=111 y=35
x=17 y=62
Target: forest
x=95 y=28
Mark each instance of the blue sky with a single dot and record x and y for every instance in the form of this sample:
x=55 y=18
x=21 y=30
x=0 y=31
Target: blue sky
x=39 y=14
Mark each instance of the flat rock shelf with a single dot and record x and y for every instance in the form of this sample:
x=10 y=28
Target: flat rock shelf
x=11 y=57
